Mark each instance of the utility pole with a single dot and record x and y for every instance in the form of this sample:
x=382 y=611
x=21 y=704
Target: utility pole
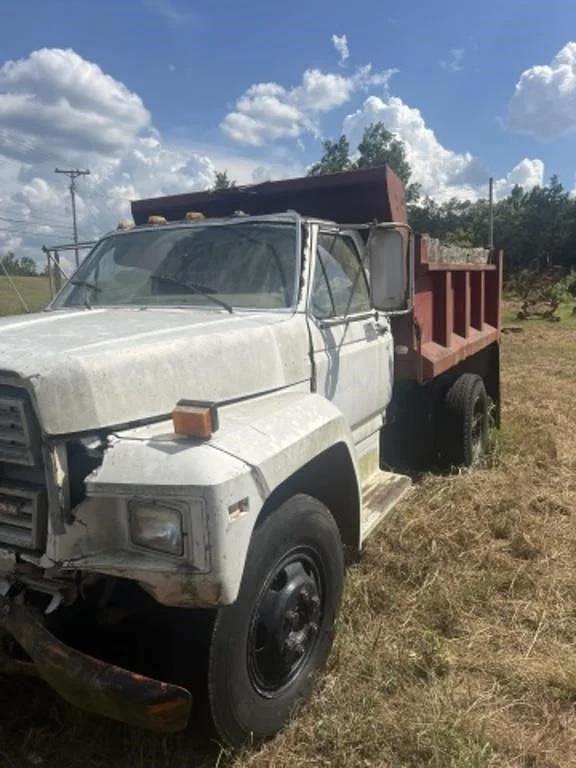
x=491 y=214
x=73 y=174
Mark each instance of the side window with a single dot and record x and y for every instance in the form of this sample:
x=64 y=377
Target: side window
x=340 y=287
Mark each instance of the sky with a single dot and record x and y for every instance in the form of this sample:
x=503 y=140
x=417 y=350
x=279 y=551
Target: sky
x=154 y=96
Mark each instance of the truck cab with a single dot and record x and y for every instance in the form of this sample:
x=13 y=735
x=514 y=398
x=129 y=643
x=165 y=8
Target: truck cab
x=192 y=436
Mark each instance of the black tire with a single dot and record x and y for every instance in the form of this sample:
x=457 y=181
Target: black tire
x=464 y=428
x=265 y=652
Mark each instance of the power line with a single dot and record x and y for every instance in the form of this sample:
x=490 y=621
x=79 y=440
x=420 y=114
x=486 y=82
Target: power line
x=73 y=174
x=34 y=233
x=25 y=146
x=58 y=222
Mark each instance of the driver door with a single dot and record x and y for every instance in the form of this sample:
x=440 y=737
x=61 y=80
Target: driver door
x=352 y=346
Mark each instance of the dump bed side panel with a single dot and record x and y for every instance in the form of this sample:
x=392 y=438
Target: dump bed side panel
x=456 y=309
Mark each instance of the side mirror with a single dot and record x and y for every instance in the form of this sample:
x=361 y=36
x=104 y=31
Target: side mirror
x=389 y=270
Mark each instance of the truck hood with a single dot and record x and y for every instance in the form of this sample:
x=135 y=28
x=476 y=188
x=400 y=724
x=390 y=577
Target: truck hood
x=92 y=369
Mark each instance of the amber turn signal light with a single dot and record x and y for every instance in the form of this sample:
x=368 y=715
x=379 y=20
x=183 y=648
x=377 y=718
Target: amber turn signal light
x=195 y=419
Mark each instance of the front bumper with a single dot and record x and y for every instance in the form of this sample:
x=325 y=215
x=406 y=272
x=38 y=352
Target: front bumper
x=90 y=684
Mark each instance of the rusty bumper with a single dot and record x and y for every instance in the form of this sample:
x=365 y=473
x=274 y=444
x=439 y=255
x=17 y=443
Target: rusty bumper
x=91 y=684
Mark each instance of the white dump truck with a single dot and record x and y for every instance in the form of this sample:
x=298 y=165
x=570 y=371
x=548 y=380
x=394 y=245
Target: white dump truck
x=201 y=427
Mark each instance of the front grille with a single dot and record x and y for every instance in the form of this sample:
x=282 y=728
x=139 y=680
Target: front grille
x=22 y=516
x=16 y=443
x=23 y=492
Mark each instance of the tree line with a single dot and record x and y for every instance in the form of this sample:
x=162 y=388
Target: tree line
x=536 y=227
x=18 y=267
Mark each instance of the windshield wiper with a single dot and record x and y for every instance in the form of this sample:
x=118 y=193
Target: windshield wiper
x=195 y=288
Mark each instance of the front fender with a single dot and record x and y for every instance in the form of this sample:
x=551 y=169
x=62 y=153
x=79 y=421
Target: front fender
x=223 y=483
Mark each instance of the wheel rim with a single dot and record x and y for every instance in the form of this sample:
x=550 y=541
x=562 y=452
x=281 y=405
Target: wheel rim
x=285 y=623
x=478 y=430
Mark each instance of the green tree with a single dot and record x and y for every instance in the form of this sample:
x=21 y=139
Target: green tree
x=222 y=181
x=28 y=267
x=380 y=146
x=24 y=267
x=336 y=158
x=535 y=228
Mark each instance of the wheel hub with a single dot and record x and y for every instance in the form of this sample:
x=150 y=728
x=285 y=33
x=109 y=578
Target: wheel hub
x=285 y=624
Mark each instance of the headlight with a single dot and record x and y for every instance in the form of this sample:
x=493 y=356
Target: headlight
x=156 y=527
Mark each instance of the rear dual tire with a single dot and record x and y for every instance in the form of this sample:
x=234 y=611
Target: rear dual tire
x=464 y=428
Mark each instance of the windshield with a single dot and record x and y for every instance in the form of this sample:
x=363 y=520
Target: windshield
x=249 y=264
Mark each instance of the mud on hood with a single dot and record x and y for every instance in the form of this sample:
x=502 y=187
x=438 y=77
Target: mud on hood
x=92 y=369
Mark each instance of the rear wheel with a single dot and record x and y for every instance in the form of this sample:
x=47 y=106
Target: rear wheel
x=464 y=428
x=269 y=645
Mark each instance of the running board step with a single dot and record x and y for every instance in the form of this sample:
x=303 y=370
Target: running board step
x=379 y=497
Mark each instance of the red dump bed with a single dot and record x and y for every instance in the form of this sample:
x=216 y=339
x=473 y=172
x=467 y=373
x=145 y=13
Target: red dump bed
x=456 y=291
x=457 y=311
x=354 y=197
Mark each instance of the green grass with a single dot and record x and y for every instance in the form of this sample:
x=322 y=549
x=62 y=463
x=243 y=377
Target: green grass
x=34 y=290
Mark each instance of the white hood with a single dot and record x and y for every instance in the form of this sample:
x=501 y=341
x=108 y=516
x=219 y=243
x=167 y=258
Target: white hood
x=98 y=368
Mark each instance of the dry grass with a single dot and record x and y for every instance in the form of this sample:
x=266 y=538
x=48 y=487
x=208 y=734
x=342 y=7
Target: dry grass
x=456 y=646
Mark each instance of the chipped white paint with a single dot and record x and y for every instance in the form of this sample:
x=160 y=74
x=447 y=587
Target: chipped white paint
x=102 y=368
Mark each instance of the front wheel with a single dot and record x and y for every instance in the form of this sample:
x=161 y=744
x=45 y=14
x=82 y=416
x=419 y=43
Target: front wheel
x=268 y=646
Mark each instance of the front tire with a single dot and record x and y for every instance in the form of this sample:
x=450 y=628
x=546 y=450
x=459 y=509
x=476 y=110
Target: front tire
x=268 y=647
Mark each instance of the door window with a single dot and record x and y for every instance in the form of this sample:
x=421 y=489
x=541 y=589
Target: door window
x=340 y=287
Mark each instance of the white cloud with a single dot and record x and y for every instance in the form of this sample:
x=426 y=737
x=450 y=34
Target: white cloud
x=544 y=100
x=454 y=62
x=55 y=104
x=441 y=172
x=111 y=132
x=527 y=174
x=58 y=108
x=268 y=111
x=169 y=11
x=340 y=42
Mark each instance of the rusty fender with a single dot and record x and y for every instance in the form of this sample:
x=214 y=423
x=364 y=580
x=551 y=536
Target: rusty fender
x=90 y=684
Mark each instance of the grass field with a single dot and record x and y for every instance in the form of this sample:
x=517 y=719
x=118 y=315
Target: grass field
x=456 y=646
x=34 y=290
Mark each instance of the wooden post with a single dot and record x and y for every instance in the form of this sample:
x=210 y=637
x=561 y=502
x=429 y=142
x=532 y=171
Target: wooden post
x=57 y=272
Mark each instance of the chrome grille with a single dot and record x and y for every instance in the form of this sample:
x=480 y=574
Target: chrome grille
x=16 y=443
x=22 y=516
x=23 y=490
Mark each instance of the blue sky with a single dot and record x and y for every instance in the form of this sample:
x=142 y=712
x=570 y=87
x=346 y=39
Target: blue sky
x=457 y=65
